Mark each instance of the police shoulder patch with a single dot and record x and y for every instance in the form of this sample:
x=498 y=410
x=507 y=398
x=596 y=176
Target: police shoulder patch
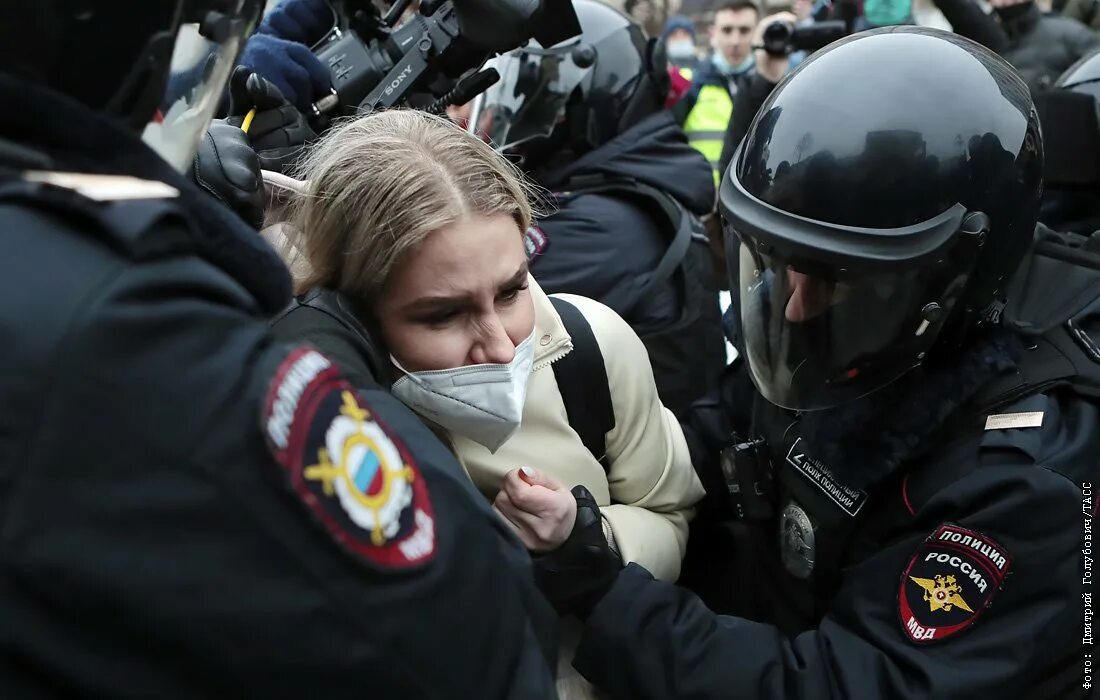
x=357 y=478
x=949 y=582
x=535 y=242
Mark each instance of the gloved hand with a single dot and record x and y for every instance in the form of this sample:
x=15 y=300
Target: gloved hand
x=303 y=21
x=227 y=168
x=279 y=133
x=575 y=576
x=291 y=66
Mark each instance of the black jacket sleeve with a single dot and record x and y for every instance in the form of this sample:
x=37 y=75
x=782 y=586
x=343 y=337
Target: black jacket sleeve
x=708 y=425
x=752 y=91
x=647 y=639
x=153 y=545
x=305 y=324
x=969 y=20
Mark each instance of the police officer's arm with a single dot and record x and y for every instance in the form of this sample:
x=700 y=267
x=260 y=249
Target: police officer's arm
x=162 y=501
x=305 y=324
x=968 y=19
x=648 y=639
x=650 y=477
x=708 y=426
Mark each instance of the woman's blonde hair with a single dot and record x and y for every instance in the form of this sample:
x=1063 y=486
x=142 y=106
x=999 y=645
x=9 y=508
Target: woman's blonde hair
x=378 y=185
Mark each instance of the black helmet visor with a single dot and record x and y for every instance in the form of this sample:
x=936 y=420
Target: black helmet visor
x=829 y=313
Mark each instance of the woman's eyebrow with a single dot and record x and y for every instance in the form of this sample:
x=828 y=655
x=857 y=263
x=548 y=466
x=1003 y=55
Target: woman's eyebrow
x=435 y=301
x=519 y=278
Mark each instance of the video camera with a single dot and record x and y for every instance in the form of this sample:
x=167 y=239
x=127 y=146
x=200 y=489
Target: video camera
x=783 y=38
x=377 y=63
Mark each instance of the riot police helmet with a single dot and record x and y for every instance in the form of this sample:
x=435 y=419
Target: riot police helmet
x=875 y=211
x=571 y=98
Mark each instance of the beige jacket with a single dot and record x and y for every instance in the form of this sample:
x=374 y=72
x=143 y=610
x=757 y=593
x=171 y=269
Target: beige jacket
x=647 y=493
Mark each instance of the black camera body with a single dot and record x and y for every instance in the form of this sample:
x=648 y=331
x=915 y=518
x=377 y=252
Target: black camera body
x=784 y=38
x=375 y=64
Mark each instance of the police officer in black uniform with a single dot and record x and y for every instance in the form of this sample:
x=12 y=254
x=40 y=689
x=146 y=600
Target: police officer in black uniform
x=586 y=120
x=911 y=485
x=188 y=508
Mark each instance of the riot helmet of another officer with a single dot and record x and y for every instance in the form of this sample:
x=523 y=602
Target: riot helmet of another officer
x=568 y=99
x=159 y=66
x=1070 y=115
x=884 y=194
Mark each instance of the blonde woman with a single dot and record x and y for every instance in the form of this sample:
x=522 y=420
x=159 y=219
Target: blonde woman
x=420 y=227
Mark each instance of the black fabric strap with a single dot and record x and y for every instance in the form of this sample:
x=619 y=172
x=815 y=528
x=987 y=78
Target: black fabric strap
x=680 y=222
x=582 y=382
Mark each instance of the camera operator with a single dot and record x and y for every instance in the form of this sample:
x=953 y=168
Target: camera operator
x=769 y=68
x=280 y=52
x=191 y=509
x=905 y=496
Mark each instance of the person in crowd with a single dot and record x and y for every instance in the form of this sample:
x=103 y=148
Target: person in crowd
x=706 y=108
x=905 y=498
x=585 y=121
x=1040 y=47
x=279 y=50
x=650 y=15
x=679 y=41
x=1087 y=12
x=419 y=226
x=191 y=508
x=755 y=87
x=679 y=38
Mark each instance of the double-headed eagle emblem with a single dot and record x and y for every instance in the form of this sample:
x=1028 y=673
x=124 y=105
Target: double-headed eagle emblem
x=942 y=593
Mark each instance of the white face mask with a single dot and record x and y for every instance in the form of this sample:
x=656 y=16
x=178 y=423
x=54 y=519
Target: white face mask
x=481 y=402
x=681 y=49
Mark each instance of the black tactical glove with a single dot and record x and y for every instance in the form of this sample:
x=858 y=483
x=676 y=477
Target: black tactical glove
x=576 y=575
x=279 y=133
x=227 y=167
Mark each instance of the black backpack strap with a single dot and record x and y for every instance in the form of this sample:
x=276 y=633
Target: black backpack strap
x=582 y=382
x=683 y=225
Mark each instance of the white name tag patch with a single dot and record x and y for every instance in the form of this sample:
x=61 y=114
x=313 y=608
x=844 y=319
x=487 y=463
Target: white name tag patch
x=1008 y=421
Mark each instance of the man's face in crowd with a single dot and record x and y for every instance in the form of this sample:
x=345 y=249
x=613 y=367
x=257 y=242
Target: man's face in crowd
x=731 y=34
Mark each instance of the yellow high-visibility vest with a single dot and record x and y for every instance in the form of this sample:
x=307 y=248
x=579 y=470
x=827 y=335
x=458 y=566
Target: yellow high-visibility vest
x=706 y=124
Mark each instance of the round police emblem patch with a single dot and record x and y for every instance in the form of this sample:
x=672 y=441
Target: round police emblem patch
x=797 y=544
x=357 y=479
x=949 y=582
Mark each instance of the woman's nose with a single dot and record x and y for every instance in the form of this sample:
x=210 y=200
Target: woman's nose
x=493 y=347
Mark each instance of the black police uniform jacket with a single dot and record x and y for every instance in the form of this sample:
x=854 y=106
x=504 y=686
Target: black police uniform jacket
x=911 y=553
x=606 y=246
x=170 y=524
